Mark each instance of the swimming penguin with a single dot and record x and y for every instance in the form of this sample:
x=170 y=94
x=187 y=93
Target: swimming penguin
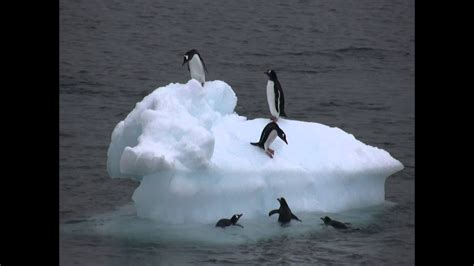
x=275 y=98
x=334 y=223
x=227 y=222
x=196 y=65
x=269 y=133
x=285 y=214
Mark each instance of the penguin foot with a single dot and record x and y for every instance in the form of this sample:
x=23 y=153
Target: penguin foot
x=269 y=154
x=274 y=119
x=271 y=151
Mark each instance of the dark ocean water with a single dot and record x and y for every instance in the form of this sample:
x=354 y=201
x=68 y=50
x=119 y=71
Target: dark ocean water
x=346 y=64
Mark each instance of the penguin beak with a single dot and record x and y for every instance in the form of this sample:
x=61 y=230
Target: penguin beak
x=184 y=62
x=278 y=200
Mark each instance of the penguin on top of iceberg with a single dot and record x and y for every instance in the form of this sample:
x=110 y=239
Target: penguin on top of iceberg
x=196 y=66
x=269 y=134
x=275 y=97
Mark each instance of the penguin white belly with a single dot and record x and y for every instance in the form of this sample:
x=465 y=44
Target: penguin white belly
x=197 y=70
x=271 y=137
x=271 y=99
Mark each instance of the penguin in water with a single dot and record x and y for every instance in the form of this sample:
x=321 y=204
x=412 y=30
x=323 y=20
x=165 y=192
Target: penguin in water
x=269 y=133
x=196 y=65
x=275 y=97
x=336 y=224
x=227 y=222
x=285 y=214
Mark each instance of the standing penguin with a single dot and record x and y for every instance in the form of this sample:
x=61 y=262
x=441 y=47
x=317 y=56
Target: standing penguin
x=275 y=98
x=285 y=214
x=227 y=222
x=269 y=133
x=196 y=65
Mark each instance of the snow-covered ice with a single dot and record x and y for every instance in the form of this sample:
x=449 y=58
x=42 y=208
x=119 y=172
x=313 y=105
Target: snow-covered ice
x=192 y=155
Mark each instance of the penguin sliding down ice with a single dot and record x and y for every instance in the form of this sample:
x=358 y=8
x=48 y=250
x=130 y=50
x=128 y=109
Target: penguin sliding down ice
x=269 y=133
x=227 y=222
x=196 y=65
x=285 y=214
x=275 y=98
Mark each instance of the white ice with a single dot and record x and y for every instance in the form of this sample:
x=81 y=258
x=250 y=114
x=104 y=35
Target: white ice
x=191 y=153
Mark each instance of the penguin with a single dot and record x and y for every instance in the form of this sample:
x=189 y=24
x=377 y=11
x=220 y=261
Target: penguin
x=269 y=133
x=227 y=222
x=275 y=97
x=196 y=65
x=285 y=214
x=335 y=224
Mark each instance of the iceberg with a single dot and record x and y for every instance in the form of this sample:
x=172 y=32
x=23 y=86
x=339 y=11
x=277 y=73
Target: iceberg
x=192 y=155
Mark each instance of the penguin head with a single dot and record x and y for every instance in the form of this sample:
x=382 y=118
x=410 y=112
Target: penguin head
x=271 y=74
x=189 y=55
x=326 y=219
x=283 y=202
x=281 y=134
x=235 y=218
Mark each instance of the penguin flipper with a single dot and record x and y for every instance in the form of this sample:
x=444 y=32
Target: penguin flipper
x=238 y=225
x=203 y=64
x=294 y=217
x=256 y=144
x=279 y=99
x=273 y=212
